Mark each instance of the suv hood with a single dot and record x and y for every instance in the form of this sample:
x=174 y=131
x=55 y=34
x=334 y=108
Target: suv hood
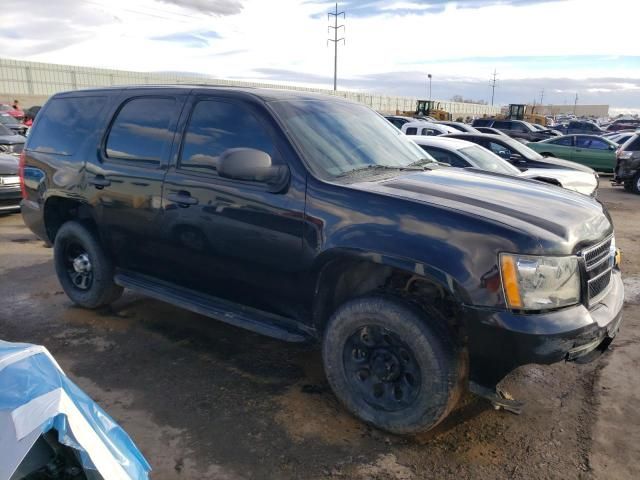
x=12 y=139
x=538 y=210
x=581 y=182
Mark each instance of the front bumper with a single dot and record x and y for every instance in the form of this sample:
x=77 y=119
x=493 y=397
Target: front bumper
x=9 y=199
x=500 y=341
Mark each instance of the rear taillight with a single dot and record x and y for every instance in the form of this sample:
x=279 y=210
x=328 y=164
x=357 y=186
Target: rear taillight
x=23 y=189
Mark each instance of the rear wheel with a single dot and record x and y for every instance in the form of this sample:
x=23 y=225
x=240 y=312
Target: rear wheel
x=391 y=364
x=84 y=270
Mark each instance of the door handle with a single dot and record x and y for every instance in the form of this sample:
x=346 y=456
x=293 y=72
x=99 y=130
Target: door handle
x=183 y=199
x=100 y=182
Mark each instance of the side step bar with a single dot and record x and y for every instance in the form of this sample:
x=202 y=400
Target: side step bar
x=265 y=323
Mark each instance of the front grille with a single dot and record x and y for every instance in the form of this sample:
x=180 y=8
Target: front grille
x=599 y=267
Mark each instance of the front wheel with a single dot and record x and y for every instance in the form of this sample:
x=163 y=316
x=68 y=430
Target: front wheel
x=84 y=270
x=634 y=185
x=391 y=364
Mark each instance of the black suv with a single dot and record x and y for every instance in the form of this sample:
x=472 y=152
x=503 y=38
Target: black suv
x=627 y=170
x=515 y=129
x=313 y=218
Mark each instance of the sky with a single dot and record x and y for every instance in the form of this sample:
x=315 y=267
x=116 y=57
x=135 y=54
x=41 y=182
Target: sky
x=564 y=47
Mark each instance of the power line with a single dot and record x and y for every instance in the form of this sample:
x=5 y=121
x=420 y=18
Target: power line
x=335 y=41
x=493 y=86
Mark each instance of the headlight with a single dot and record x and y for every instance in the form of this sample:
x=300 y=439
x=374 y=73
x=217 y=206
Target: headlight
x=540 y=283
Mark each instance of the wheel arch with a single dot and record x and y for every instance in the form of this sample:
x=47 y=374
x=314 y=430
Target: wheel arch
x=58 y=210
x=343 y=275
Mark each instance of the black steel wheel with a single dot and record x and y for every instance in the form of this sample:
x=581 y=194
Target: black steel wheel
x=392 y=364
x=83 y=268
x=382 y=368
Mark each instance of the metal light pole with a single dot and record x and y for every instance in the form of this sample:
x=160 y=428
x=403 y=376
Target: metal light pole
x=429 y=77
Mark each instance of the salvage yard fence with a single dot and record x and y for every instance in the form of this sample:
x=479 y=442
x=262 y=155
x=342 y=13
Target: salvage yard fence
x=33 y=82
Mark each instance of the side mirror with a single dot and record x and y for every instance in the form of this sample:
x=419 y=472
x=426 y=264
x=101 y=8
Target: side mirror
x=612 y=147
x=252 y=165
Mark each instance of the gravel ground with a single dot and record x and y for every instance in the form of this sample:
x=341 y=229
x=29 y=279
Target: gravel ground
x=206 y=400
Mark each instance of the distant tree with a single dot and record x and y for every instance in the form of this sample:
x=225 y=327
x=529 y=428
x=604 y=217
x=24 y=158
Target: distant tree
x=461 y=99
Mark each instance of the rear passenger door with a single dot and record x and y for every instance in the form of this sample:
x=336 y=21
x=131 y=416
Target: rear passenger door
x=234 y=239
x=126 y=177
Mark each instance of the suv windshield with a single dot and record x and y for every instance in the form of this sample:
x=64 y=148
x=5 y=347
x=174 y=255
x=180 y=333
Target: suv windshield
x=338 y=137
x=484 y=159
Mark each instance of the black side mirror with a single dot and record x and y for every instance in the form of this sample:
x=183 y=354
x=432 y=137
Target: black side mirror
x=612 y=147
x=252 y=165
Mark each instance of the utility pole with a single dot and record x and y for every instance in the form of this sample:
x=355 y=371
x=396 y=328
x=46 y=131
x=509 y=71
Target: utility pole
x=541 y=96
x=429 y=76
x=575 y=104
x=335 y=41
x=493 y=86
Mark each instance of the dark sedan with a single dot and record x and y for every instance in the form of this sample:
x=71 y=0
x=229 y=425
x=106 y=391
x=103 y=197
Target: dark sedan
x=9 y=184
x=10 y=142
x=517 y=153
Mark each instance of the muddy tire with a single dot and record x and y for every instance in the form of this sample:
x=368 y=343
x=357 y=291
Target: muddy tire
x=391 y=364
x=634 y=185
x=84 y=270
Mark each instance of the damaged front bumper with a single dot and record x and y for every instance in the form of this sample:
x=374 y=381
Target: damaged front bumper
x=500 y=341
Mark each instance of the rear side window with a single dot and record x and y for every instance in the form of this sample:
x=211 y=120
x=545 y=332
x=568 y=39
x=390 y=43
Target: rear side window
x=591 y=143
x=141 y=131
x=564 y=141
x=445 y=157
x=217 y=126
x=65 y=124
x=412 y=131
x=502 y=125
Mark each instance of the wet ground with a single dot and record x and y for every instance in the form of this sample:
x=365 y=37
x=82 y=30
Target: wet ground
x=205 y=400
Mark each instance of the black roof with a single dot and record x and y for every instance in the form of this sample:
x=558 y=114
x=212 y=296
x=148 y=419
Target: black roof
x=265 y=94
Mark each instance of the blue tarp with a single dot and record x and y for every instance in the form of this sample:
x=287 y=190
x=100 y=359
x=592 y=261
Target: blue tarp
x=32 y=384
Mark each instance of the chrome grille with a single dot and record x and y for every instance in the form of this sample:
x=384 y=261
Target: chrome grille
x=598 y=265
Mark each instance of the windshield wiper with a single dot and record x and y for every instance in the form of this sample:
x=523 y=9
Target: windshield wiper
x=377 y=167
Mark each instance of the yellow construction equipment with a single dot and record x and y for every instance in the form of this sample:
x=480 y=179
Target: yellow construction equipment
x=519 y=111
x=429 y=108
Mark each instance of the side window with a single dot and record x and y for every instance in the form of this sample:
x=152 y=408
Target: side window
x=216 y=126
x=500 y=150
x=141 y=130
x=445 y=157
x=633 y=144
x=521 y=127
x=65 y=124
x=502 y=125
x=597 y=144
x=564 y=141
x=412 y=131
x=429 y=131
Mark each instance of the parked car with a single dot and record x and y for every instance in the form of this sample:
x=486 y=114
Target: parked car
x=426 y=128
x=579 y=127
x=12 y=112
x=464 y=154
x=400 y=120
x=627 y=171
x=623 y=124
x=519 y=154
x=9 y=184
x=322 y=222
x=548 y=130
x=460 y=126
x=593 y=151
x=492 y=131
x=516 y=129
x=10 y=142
x=13 y=124
x=619 y=138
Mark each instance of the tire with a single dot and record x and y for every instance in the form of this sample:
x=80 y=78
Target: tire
x=84 y=270
x=635 y=184
x=414 y=387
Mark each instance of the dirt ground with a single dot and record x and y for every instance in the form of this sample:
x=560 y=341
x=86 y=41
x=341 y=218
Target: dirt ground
x=205 y=400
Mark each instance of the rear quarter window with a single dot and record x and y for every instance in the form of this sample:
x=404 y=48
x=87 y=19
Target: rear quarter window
x=632 y=145
x=65 y=124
